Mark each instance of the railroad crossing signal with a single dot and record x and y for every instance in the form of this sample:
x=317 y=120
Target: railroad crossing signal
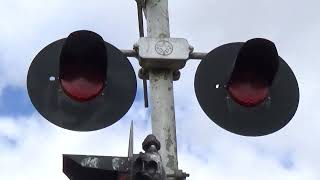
x=247 y=88
x=81 y=83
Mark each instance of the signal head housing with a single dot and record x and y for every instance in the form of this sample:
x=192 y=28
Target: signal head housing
x=81 y=83
x=247 y=88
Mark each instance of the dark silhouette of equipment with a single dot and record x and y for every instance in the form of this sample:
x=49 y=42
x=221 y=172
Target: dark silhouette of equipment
x=143 y=166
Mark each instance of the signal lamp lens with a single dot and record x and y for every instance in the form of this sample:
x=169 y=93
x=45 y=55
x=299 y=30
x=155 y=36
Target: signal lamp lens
x=248 y=91
x=82 y=86
x=83 y=65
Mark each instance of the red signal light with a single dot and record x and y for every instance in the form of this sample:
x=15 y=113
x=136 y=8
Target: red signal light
x=254 y=70
x=83 y=65
x=81 y=83
x=82 y=86
x=249 y=73
x=248 y=90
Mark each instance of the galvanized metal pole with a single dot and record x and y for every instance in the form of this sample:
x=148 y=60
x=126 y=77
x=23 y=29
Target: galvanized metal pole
x=161 y=87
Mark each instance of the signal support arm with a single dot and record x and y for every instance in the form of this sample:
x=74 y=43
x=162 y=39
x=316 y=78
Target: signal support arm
x=192 y=55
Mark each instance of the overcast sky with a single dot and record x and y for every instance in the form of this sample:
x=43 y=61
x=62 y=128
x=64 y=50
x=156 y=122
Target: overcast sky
x=31 y=148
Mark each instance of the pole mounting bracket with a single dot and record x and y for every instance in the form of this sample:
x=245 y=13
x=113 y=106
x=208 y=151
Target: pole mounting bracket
x=163 y=53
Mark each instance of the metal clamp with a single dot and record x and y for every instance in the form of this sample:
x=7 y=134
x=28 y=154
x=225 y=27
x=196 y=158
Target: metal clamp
x=144 y=74
x=163 y=53
x=148 y=165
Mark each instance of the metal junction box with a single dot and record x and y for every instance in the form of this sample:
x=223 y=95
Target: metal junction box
x=163 y=53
